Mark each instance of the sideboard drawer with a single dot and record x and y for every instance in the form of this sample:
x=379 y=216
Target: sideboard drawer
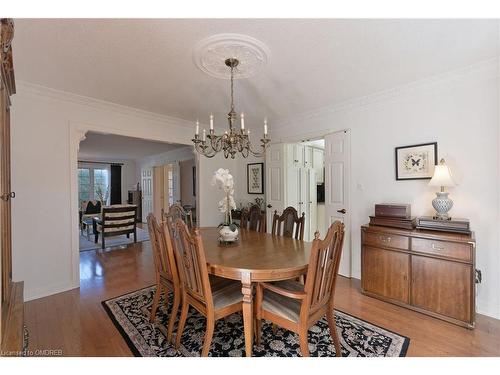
x=460 y=251
x=386 y=240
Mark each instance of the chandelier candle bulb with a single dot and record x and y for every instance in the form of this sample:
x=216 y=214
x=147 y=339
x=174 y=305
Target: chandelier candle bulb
x=265 y=127
x=242 y=121
x=197 y=128
x=211 y=122
x=204 y=135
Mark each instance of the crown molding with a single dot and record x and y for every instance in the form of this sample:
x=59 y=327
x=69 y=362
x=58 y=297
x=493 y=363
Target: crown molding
x=47 y=92
x=487 y=69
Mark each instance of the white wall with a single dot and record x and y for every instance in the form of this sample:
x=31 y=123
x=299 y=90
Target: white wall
x=208 y=195
x=182 y=153
x=129 y=178
x=459 y=110
x=186 y=176
x=42 y=120
x=240 y=175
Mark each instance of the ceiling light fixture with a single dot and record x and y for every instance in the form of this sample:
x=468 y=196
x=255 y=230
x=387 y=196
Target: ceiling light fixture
x=232 y=142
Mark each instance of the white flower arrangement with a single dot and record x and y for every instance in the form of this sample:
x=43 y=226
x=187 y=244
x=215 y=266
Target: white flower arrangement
x=224 y=181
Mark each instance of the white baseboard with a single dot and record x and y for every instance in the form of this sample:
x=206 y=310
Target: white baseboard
x=32 y=294
x=485 y=308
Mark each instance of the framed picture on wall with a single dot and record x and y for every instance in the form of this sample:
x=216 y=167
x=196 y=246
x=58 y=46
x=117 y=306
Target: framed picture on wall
x=416 y=162
x=255 y=178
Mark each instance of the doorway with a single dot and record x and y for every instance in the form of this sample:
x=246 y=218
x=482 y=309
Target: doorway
x=313 y=176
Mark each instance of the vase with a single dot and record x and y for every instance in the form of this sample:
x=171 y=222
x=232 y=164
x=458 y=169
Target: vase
x=228 y=235
x=442 y=204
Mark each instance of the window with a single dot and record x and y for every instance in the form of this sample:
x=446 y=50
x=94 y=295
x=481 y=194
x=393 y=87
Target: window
x=83 y=184
x=93 y=182
x=101 y=184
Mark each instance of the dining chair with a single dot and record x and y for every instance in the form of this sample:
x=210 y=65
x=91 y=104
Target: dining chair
x=253 y=219
x=214 y=298
x=167 y=276
x=284 y=224
x=176 y=211
x=297 y=307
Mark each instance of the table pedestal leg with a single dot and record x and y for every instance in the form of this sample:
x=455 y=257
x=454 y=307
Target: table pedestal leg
x=246 y=289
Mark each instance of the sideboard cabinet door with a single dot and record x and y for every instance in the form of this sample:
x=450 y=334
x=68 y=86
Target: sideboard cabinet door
x=385 y=273
x=442 y=286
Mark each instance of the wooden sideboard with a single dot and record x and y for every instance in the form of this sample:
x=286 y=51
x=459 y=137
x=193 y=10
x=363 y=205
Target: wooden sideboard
x=427 y=271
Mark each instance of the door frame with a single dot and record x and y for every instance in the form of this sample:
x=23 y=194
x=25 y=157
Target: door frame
x=77 y=133
x=321 y=135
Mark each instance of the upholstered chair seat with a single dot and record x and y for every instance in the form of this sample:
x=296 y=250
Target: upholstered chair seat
x=225 y=293
x=285 y=307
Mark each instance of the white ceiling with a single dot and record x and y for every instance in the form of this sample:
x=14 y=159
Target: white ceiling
x=110 y=147
x=148 y=64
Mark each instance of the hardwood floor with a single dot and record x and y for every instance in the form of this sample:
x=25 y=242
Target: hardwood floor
x=76 y=323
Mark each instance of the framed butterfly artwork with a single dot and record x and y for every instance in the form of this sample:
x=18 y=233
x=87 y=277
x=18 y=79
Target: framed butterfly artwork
x=416 y=162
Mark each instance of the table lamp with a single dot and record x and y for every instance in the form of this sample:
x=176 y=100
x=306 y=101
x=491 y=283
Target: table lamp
x=442 y=177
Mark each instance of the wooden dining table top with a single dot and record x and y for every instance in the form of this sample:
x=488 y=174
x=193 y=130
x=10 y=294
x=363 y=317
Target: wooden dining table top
x=264 y=256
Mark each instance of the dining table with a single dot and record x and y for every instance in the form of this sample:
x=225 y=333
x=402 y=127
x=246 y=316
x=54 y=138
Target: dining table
x=255 y=257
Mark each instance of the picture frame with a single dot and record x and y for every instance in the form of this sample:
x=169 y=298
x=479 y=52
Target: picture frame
x=416 y=162
x=255 y=178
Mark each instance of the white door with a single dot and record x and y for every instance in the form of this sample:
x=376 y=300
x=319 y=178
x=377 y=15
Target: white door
x=275 y=178
x=337 y=182
x=311 y=204
x=298 y=155
x=147 y=192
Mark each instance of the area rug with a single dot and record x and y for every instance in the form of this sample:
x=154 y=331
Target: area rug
x=85 y=244
x=130 y=314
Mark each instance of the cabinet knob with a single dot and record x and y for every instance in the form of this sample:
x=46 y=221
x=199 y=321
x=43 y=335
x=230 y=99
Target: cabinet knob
x=437 y=247
x=385 y=238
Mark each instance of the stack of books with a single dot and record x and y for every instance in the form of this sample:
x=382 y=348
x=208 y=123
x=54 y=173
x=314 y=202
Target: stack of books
x=393 y=215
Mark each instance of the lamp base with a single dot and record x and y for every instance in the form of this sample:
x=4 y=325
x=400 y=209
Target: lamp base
x=442 y=204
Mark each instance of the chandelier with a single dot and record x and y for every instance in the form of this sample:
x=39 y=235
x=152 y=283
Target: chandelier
x=230 y=142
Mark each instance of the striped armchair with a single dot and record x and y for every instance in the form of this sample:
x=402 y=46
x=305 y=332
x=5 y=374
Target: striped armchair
x=117 y=220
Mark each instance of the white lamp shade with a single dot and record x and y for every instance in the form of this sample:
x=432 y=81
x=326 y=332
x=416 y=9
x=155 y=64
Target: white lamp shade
x=442 y=176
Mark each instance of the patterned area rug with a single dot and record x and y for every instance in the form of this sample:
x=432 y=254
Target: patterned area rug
x=89 y=244
x=130 y=314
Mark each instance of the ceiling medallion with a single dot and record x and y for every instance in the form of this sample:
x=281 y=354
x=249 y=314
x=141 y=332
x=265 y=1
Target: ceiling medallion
x=210 y=53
